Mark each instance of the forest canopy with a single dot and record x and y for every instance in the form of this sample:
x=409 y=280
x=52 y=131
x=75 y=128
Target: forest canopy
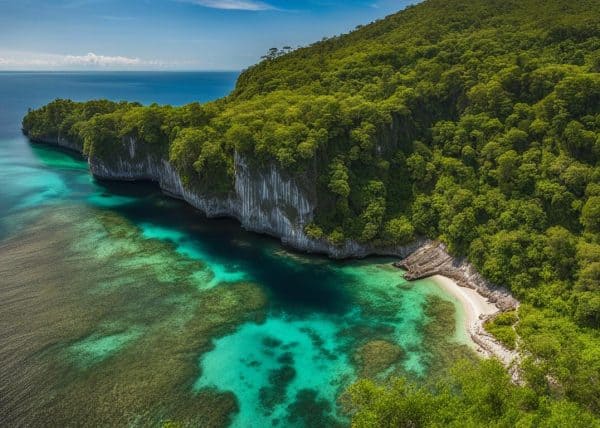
x=475 y=122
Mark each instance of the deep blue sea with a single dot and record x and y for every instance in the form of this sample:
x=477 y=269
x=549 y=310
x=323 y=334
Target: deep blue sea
x=122 y=307
x=23 y=90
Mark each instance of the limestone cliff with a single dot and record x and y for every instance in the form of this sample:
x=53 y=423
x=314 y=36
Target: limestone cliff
x=264 y=200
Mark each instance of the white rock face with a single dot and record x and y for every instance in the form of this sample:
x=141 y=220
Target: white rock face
x=264 y=200
x=270 y=203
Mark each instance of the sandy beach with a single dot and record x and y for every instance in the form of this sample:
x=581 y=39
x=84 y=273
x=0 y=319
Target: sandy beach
x=477 y=308
x=473 y=303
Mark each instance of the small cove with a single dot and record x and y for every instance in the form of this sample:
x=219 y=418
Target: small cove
x=123 y=305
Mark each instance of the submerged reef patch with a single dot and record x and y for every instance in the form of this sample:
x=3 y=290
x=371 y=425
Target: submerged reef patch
x=376 y=356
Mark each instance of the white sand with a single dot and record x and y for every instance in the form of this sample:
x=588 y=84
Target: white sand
x=476 y=308
x=474 y=304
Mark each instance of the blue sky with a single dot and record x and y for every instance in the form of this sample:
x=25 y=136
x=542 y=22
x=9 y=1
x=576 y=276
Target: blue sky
x=169 y=34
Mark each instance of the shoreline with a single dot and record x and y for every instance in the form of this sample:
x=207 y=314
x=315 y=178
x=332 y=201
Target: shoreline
x=474 y=305
x=479 y=298
x=477 y=309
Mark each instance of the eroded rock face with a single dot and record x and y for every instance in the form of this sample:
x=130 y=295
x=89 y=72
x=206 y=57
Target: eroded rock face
x=264 y=201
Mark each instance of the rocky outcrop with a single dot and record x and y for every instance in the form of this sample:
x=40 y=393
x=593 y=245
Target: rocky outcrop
x=433 y=259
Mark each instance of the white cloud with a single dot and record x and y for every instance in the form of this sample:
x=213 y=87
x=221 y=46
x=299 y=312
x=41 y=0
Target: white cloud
x=252 y=5
x=34 y=60
x=100 y=60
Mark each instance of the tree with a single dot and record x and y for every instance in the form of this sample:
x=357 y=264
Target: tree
x=338 y=182
x=461 y=231
x=399 y=231
x=561 y=250
x=590 y=215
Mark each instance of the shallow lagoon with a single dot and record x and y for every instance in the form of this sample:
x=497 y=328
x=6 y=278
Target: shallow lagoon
x=121 y=306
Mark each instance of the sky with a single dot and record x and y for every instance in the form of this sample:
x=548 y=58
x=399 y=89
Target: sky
x=169 y=34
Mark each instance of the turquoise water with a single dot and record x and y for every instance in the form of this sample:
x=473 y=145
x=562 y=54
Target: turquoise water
x=317 y=348
x=123 y=306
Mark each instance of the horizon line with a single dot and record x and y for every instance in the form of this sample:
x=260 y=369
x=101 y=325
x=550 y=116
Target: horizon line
x=124 y=71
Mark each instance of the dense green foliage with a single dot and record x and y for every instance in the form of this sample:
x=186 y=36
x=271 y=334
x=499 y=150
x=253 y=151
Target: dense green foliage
x=476 y=122
x=473 y=395
x=502 y=327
